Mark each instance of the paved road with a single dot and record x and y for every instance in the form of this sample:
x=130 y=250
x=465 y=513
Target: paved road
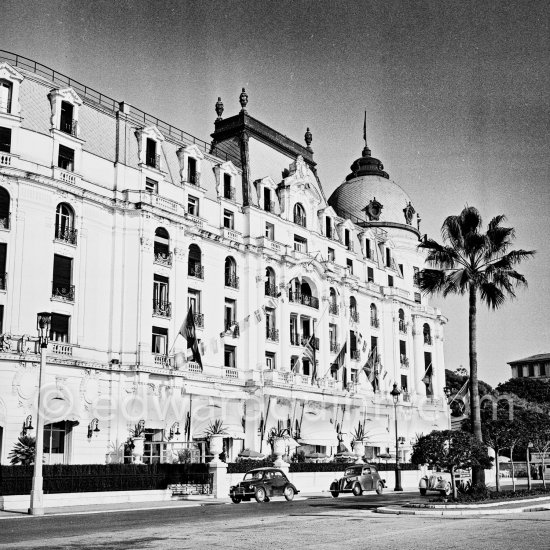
x=321 y=523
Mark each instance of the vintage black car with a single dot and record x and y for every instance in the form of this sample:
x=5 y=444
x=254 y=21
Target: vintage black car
x=263 y=483
x=357 y=479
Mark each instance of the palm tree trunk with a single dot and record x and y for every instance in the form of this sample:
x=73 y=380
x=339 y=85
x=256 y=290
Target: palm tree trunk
x=478 y=474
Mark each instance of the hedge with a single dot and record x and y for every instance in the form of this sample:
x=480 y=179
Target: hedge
x=77 y=478
x=296 y=467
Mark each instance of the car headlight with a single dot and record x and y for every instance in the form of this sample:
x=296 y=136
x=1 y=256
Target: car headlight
x=252 y=487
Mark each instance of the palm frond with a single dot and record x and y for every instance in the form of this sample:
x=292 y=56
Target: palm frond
x=470 y=220
x=431 y=281
x=451 y=230
x=444 y=257
x=491 y=294
x=516 y=256
x=497 y=238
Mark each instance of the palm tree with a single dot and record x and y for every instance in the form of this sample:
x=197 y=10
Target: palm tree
x=478 y=264
x=23 y=451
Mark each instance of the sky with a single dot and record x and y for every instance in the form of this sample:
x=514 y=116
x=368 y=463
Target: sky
x=456 y=96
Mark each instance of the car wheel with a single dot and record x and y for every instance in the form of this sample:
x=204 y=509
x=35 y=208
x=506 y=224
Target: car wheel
x=289 y=492
x=379 y=488
x=236 y=500
x=357 y=490
x=260 y=495
x=334 y=490
x=423 y=492
x=447 y=491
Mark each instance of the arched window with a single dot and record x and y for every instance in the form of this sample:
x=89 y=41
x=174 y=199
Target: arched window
x=270 y=282
x=427 y=334
x=353 y=313
x=64 y=223
x=299 y=215
x=402 y=324
x=333 y=302
x=231 y=278
x=4 y=208
x=374 y=316
x=194 y=262
x=5 y=96
x=162 y=247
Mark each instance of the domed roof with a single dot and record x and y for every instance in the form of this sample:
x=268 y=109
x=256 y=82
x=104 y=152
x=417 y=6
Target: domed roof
x=369 y=195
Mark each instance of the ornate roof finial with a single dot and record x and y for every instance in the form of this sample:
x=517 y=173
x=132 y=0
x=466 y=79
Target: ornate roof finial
x=308 y=139
x=219 y=108
x=243 y=99
x=366 y=150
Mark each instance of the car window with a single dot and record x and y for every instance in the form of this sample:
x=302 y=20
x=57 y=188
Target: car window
x=268 y=475
x=366 y=471
x=373 y=471
x=352 y=471
x=253 y=476
x=278 y=474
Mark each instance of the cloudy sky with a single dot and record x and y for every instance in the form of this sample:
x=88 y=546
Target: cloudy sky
x=456 y=94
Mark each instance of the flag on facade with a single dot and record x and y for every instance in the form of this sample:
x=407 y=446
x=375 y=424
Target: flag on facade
x=309 y=352
x=258 y=314
x=462 y=392
x=188 y=331
x=427 y=379
x=341 y=357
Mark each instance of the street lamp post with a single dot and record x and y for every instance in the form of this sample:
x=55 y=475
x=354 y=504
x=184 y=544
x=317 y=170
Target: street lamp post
x=529 y=446
x=395 y=393
x=37 y=494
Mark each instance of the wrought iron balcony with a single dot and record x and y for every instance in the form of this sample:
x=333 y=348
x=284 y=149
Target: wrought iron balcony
x=231 y=281
x=198 y=319
x=272 y=334
x=69 y=127
x=3 y=281
x=270 y=290
x=162 y=309
x=427 y=339
x=63 y=292
x=5 y=222
x=232 y=328
x=402 y=326
x=334 y=346
x=153 y=161
x=65 y=234
x=163 y=258
x=374 y=322
x=196 y=270
x=304 y=299
x=355 y=354
x=353 y=315
x=333 y=309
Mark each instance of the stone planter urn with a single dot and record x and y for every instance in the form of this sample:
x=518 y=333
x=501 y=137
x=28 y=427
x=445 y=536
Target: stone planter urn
x=279 y=447
x=216 y=447
x=138 y=450
x=359 y=450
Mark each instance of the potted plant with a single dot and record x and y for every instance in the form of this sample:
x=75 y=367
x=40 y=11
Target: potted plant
x=137 y=436
x=215 y=432
x=358 y=446
x=277 y=438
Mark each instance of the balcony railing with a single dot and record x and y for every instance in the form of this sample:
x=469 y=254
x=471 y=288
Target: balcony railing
x=162 y=309
x=374 y=322
x=404 y=360
x=153 y=161
x=198 y=319
x=427 y=339
x=229 y=193
x=163 y=258
x=5 y=158
x=5 y=222
x=272 y=334
x=65 y=234
x=402 y=326
x=334 y=346
x=196 y=270
x=3 y=281
x=355 y=354
x=305 y=299
x=63 y=292
x=231 y=281
x=69 y=127
x=353 y=315
x=232 y=328
x=270 y=290
x=333 y=309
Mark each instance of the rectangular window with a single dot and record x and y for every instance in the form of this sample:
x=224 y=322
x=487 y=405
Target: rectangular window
x=159 y=343
x=404 y=383
x=193 y=205
x=1 y=319
x=531 y=370
x=428 y=368
x=347 y=242
x=328 y=227
x=374 y=342
x=59 y=330
x=228 y=219
x=305 y=367
x=520 y=371
x=270 y=360
x=194 y=300
x=388 y=257
x=300 y=244
x=269 y=231
x=370 y=274
x=294 y=336
x=390 y=280
x=5 y=96
x=368 y=250
x=66 y=123
x=3 y=255
x=151 y=186
x=402 y=348
x=227 y=189
x=331 y=255
x=332 y=336
x=229 y=357
x=151 y=153
x=65 y=159
x=349 y=264
x=54 y=441
x=354 y=376
x=267 y=200
x=192 y=170
x=416 y=272
x=62 y=275
x=401 y=269
x=229 y=313
x=5 y=140
x=417 y=297
x=160 y=292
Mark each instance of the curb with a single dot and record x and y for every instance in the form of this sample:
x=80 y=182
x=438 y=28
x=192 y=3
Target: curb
x=470 y=506
x=458 y=512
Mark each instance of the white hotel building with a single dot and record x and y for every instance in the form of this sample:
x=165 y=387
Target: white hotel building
x=117 y=223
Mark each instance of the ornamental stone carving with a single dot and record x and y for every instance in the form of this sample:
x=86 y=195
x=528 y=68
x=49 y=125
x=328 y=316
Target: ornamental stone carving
x=373 y=210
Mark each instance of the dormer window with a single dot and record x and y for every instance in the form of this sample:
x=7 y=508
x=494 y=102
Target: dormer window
x=67 y=123
x=149 y=148
x=65 y=158
x=269 y=206
x=328 y=227
x=347 y=240
x=5 y=96
x=151 y=157
x=299 y=215
x=228 y=191
x=192 y=170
